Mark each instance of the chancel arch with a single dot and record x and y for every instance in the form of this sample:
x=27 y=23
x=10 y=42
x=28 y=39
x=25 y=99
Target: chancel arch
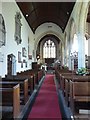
x=48 y=28
x=47 y=45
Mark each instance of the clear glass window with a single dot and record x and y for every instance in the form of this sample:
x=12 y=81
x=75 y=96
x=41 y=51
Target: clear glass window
x=49 y=49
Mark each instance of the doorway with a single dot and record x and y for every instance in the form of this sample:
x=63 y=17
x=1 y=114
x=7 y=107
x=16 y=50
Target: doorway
x=11 y=64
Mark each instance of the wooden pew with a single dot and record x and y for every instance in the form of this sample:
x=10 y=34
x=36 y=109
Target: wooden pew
x=6 y=84
x=62 y=80
x=34 y=76
x=79 y=93
x=30 y=78
x=67 y=84
x=22 y=75
x=59 y=73
x=65 y=78
x=31 y=85
x=29 y=73
x=40 y=74
x=23 y=87
x=11 y=97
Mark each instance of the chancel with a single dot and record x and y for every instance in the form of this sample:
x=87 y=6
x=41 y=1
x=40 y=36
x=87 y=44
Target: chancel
x=45 y=60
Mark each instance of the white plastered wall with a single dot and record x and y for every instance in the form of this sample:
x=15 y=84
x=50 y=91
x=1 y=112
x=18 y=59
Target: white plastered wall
x=9 y=10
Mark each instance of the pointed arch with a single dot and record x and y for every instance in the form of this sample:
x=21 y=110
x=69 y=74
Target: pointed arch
x=2 y=31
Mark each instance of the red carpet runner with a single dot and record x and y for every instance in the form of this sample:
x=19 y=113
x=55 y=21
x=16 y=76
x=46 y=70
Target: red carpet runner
x=46 y=106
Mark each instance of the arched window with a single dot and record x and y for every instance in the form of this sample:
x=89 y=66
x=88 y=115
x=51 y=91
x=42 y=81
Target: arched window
x=2 y=31
x=49 y=49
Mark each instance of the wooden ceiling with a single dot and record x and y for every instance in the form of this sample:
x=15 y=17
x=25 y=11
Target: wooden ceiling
x=42 y=12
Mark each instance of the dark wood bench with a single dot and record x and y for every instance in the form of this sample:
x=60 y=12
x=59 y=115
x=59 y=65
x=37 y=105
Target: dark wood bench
x=36 y=73
x=40 y=74
x=62 y=79
x=23 y=87
x=79 y=93
x=11 y=97
x=31 y=85
x=73 y=78
x=60 y=73
x=30 y=78
x=28 y=74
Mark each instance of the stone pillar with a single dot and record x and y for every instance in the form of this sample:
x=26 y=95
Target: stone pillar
x=70 y=59
x=81 y=34
x=41 y=52
x=62 y=57
x=34 y=53
x=81 y=50
x=59 y=53
x=65 y=54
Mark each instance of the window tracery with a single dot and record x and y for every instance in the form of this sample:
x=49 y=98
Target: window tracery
x=49 y=49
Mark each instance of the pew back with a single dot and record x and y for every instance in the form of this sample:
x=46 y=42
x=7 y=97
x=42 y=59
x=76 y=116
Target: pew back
x=81 y=91
x=11 y=97
x=23 y=86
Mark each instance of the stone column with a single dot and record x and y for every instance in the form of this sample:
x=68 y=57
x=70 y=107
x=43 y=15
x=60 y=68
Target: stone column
x=81 y=35
x=59 y=54
x=62 y=55
x=81 y=50
x=41 y=52
x=70 y=59
x=34 y=52
x=65 y=53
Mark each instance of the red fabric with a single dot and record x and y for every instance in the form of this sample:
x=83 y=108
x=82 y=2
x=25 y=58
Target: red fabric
x=46 y=105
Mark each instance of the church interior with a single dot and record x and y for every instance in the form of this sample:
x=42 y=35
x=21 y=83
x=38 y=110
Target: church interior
x=45 y=60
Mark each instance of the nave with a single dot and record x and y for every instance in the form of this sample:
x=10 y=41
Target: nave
x=39 y=39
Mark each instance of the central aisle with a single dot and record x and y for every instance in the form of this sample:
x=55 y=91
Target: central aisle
x=46 y=104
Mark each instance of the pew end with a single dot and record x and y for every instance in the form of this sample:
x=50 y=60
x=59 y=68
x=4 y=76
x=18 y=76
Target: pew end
x=10 y=98
x=79 y=95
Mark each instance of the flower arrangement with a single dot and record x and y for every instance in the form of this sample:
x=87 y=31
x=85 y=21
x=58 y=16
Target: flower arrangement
x=82 y=71
x=65 y=67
